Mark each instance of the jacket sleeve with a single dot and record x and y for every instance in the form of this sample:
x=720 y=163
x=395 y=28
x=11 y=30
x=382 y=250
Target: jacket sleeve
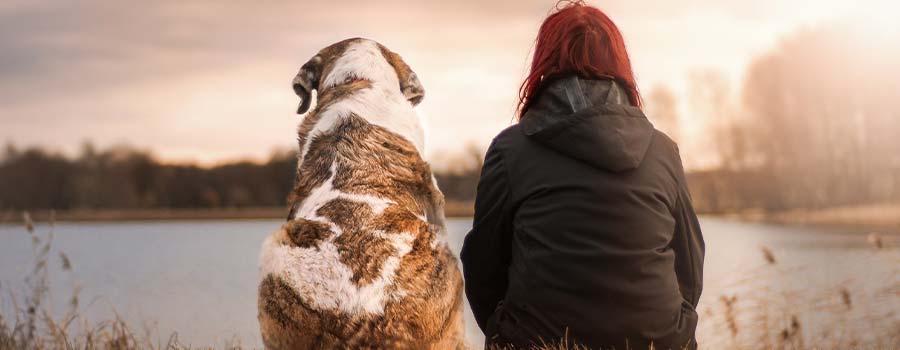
x=687 y=243
x=486 y=251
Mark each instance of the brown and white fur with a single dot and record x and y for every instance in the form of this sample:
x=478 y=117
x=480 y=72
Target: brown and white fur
x=362 y=261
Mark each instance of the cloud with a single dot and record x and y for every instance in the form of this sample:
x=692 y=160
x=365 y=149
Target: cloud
x=209 y=80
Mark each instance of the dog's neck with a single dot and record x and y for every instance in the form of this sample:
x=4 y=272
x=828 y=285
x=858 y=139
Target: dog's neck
x=384 y=106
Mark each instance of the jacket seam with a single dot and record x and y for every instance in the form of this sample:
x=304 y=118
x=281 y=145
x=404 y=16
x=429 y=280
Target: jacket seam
x=504 y=223
x=506 y=176
x=690 y=248
x=680 y=182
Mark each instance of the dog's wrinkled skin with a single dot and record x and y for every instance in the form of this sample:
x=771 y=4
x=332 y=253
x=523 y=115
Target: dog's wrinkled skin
x=362 y=261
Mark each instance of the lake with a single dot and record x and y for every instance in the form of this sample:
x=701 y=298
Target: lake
x=199 y=278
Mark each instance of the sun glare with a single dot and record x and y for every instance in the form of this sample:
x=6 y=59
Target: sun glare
x=879 y=22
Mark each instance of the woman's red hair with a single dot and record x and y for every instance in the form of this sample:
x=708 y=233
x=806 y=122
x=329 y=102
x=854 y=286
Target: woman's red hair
x=581 y=40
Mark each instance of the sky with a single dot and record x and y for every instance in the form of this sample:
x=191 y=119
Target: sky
x=209 y=81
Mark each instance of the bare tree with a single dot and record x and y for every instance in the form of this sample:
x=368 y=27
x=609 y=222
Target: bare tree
x=662 y=109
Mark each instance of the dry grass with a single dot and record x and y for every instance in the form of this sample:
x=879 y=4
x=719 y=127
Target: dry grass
x=31 y=323
x=844 y=317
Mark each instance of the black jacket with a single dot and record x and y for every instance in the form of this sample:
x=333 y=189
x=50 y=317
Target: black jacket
x=584 y=228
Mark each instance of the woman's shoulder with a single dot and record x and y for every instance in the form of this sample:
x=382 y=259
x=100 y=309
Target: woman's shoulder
x=663 y=149
x=665 y=142
x=508 y=137
x=512 y=131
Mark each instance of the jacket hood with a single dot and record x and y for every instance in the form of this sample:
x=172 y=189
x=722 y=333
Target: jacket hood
x=590 y=120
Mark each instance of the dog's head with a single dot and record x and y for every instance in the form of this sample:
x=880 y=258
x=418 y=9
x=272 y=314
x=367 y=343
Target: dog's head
x=355 y=59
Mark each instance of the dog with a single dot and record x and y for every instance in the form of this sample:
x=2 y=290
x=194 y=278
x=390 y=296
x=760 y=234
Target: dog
x=362 y=261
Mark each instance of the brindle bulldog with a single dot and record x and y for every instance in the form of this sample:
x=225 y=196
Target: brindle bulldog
x=362 y=261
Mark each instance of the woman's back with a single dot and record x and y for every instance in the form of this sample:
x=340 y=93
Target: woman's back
x=584 y=203
x=584 y=228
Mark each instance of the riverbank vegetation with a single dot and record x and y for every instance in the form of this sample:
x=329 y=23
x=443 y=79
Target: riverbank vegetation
x=28 y=320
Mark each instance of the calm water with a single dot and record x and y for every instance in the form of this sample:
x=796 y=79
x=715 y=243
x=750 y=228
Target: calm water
x=199 y=278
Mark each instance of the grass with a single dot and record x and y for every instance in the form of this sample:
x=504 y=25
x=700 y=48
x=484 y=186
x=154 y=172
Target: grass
x=32 y=324
x=846 y=316
x=754 y=318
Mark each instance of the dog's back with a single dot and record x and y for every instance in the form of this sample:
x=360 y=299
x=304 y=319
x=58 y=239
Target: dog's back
x=362 y=260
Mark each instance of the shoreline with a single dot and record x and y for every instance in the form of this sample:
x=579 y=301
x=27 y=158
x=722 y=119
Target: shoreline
x=876 y=217
x=452 y=209
x=884 y=217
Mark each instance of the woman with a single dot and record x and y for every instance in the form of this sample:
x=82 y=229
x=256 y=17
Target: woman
x=584 y=230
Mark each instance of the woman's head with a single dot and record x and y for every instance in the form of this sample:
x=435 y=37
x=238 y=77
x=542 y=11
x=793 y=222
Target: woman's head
x=581 y=40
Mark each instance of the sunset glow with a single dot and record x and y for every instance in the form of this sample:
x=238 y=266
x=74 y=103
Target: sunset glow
x=210 y=82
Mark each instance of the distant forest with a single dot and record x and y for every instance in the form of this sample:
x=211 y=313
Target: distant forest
x=816 y=125
x=125 y=178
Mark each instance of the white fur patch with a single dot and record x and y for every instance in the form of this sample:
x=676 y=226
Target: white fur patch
x=317 y=274
x=362 y=60
x=325 y=193
x=383 y=104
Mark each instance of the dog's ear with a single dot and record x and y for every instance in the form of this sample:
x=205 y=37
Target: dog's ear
x=409 y=83
x=306 y=81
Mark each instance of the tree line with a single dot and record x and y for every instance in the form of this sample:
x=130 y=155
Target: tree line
x=127 y=178
x=815 y=124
